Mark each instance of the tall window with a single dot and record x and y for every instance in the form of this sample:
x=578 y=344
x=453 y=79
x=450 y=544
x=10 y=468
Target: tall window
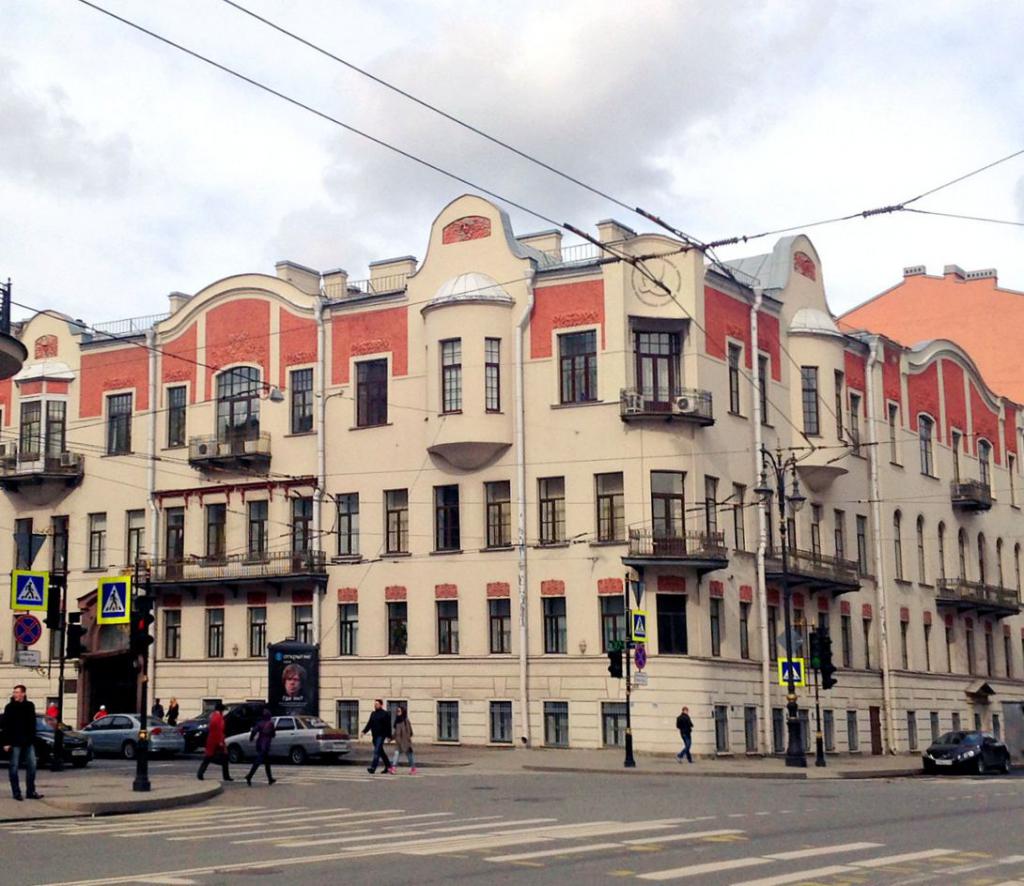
x=611 y=515
x=257 y=530
x=922 y=574
x=969 y=638
x=927 y=646
x=982 y=558
x=398 y=627
x=961 y=550
x=59 y=543
x=446 y=518
x=984 y=461
x=809 y=399
x=925 y=430
x=839 y=379
x=556 y=724
x=613 y=621
x=56 y=426
x=501 y=722
x=711 y=504
x=257 y=631
x=216 y=534
x=735 y=355
x=492 y=374
x=302 y=400
x=347 y=713
x=176 y=404
x=172 y=632
x=451 y=375
x=302 y=524
x=763 y=368
x=1011 y=476
x=941 y=538
x=448 y=627
x=839 y=533
x=1016 y=568
x=396 y=521
x=816 y=531
x=499 y=513
x=348 y=524
x=447 y=721
x=667 y=504
x=866 y=623
x=739 y=533
x=855 y=422
x=904 y=645
x=897 y=544
x=657 y=368
x=990 y=655
x=715 y=612
x=894 y=420
x=302 y=623
x=135 y=523
x=744 y=630
x=174 y=534
x=371 y=393
x=214 y=633
x=954 y=448
x=999 y=562
x=30 y=441
x=862 y=544
x=348 y=627
x=721 y=718
x=97 y=541
x=552 y=509
x=950 y=639
x=846 y=640
x=555 y=641
x=773 y=633
x=238 y=405
x=578 y=366
x=119 y=424
x=499 y=613
x=672 y=639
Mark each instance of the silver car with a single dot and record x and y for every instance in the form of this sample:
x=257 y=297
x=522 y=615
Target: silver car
x=298 y=738
x=119 y=734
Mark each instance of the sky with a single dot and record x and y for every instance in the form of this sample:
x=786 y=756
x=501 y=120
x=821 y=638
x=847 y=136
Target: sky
x=129 y=170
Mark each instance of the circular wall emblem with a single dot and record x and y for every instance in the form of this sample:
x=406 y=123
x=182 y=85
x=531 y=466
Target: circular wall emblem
x=664 y=272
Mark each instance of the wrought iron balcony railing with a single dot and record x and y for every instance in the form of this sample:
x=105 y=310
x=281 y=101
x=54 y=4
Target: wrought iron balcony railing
x=227 y=448
x=976 y=595
x=689 y=545
x=814 y=568
x=19 y=466
x=236 y=567
x=970 y=495
x=687 y=404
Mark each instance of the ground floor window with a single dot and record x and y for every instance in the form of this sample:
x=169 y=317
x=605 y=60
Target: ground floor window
x=829 y=730
x=447 y=721
x=955 y=721
x=778 y=730
x=501 y=722
x=934 y=719
x=613 y=723
x=672 y=638
x=912 y=730
x=750 y=728
x=347 y=715
x=852 y=737
x=804 y=717
x=997 y=727
x=721 y=728
x=556 y=724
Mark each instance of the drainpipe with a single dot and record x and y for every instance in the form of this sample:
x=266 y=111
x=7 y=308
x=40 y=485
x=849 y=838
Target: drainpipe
x=321 y=451
x=876 y=518
x=762 y=534
x=151 y=480
x=520 y=455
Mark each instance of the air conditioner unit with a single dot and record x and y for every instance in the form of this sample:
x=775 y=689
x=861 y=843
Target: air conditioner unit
x=203 y=449
x=69 y=459
x=8 y=450
x=251 y=447
x=632 y=402
x=223 y=449
x=685 y=405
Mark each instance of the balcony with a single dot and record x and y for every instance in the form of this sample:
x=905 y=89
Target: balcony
x=813 y=571
x=244 y=452
x=700 y=551
x=687 y=405
x=21 y=468
x=970 y=495
x=276 y=569
x=973 y=596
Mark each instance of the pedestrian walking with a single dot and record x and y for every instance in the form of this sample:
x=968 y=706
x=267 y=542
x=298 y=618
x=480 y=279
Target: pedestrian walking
x=685 y=726
x=264 y=732
x=157 y=711
x=403 y=739
x=172 y=712
x=19 y=731
x=216 y=750
x=379 y=727
x=101 y=713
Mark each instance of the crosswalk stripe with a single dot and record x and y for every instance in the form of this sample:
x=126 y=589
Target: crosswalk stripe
x=846 y=868
x=820 y=850
x=906 y=856
x=457 y=828
x=546 y=853
x=321 y=820
x=753 y=861
x=692 y=835
x=351 y=834
x=214 y=824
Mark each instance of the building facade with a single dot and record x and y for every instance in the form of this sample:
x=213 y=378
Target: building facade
x=446 y=474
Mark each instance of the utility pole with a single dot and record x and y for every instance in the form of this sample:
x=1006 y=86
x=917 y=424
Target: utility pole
x=630 y=761
x=139 y=626
x=57 y=760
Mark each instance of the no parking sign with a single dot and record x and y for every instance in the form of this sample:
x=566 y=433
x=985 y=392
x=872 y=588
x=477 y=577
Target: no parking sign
x=27 y=630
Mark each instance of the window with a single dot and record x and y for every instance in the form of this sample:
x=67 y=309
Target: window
x=829 y=730
x=950 y=639
x=763 y=368
x=999 y=562
x=855 y=422
x=866 y=623
x=721 y=728
x=302 y=400
x=1016 y=567
x=578 y=366
x=371 y=393
x=398 y=627
x=711 y=505
x=172 y=633
x=955 y=721
x=501 y=722
x=347 y=716
x=922 y=575
x=348 y=524
x=927 y=646
x=961 y=546
x=744 y=630
x=750 y=729
x=446 y=518
x=1011 y=473
x=667 y=504
x=852 y=737
x=552 y=509
x=925 y=427
x=984 y=461
x=897 y=544
x=238 y=406
x=657 y=368
x=773 y=633
x=933 y=718
x=672 y=638
x=214 y=633
x=499 y=513
x=804 y=716
x=56 y=426
x=894 y=419
x=969 y=640
x=554 y=626
x=348 y=626
x=135 y=524
x=990 y=655
x=302 y=623
x=30 y=441
x=997 y=727
x=448 y=627
x=739 y=534
x=809 y=398
x=1008 y=656
x=447 y=721
x=499 y=612
x=715 y=612
x=611 y=518
x=396 y=521
x=904 y=650
x=59 y=544
x=97 y=541
x=862 y=544
x=816 y=532
x=613 y=621
x=778 y=730
x=451 y=375
x=119 y=424
x=302 y=524
x=955 y=437
x=176 y=403
x=735 y=355
x=839 y=379
x=912 y=730
x=556 y=724
x=216 y=526
x=492 y=376
x=982 y=571
x=613 y=724
x=257 y=631
x=941 y=539
x=174 y=534
x=846 y=639
x=257 y=549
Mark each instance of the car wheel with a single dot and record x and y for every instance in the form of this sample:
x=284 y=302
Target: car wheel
x=297 y=755
x=1005 y=768
x=929 y=767
x=128 y=750
x=80 y=764
x=979 y=765
x=235 y=754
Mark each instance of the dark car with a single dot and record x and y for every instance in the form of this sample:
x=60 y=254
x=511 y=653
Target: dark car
x=976 y=752
x=77 y=749
x=238 y=718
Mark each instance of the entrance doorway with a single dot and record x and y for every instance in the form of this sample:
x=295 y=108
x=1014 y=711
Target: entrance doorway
x=875 y=716
x=107 y=679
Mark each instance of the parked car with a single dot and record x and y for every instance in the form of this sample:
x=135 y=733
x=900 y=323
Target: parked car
x=975 y=752
x=238 y=718
x=119 y=734
x=77 y=746
x=298 y=738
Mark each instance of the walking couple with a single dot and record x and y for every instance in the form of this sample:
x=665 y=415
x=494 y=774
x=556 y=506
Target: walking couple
x=380 y=729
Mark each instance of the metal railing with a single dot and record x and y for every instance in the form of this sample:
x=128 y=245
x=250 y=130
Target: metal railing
x=689 y=545
x=252 y=444
x=129 y=326
x=961 y=590
x=817 y=565
x=686 y=404
x=577 y=254
x=5 y=307
x=267 y=564
x=373 y=286
x=26 y=463
x=973 y=494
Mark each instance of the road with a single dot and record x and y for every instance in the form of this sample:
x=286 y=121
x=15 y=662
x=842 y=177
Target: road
x=333 y=823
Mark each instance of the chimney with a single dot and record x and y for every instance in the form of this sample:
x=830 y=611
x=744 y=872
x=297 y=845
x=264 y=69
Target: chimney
x=611 y=231
x=915 y=271
x=984 y=274
x=391 y=274
x=177 y=300
x=953 y=271
x=306 y=279
x=549 y=242
x=336 y=283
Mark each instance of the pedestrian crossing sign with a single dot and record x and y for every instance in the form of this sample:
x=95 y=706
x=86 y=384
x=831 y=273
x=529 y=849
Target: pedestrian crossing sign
x=638 y=625
x=29 y=590
x=796 y=666
x=114 y=603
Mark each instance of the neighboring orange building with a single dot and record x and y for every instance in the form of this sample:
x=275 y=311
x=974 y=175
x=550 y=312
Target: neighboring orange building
x=968 y=307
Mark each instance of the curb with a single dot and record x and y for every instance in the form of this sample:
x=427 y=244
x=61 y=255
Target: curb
x=770 y=776
x=135 y=804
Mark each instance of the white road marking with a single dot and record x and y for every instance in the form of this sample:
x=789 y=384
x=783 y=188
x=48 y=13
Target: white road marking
x=545 y=853
x=376 y=839
x=800 y=876
x=359 y=834
x=821 y=850
x=692 y=835
x=753 y=861
x=906 y=856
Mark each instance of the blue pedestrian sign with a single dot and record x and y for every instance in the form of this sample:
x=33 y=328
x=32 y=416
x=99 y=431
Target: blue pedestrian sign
x=114 y=601
x=638 y=625
x=794 y=667
x=29 y=590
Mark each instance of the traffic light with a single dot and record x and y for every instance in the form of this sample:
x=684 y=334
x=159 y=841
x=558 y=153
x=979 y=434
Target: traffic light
x=142 y=618
x=815 y=651
x=53 y=602
x=826 y=667
x=615 y=663
x=76 y=634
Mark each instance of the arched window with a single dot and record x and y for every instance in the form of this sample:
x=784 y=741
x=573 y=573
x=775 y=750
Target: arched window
x=961 y=547
x=981 y=558
x=942 y=550
x=897 y=543
x=925 y=428
x=999 y=561
x=984 y=461
x=921 y=576
x=238 y=405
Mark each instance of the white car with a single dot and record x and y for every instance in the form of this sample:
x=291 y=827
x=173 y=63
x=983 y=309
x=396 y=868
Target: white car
x=298 y=738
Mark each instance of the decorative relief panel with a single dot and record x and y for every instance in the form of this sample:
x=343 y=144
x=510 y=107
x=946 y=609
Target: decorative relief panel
x=804 y=264
x=470 y=227
x=46 y=347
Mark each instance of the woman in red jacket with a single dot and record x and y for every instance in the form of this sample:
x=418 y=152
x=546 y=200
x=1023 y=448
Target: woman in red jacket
x=215 y=747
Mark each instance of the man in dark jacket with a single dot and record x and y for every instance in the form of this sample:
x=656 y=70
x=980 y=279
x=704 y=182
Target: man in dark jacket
x=685 y=726
x=379 y=727
x=19 y=730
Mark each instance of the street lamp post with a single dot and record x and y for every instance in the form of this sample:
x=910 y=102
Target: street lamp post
x=795 y=755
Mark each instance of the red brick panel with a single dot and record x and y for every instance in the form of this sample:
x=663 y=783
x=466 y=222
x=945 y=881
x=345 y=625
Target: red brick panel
x=904 y=614
x=214 y=599
x=171 y=601
x=563 y=306
x=302 y=596
x=497 y=589
x=968 y=622
x=670 y=583
x=1006 y=630
x=298 y=342
x=30 y=388
x=988 y=627
x=348 y=595
x=113 y=370
x=717 y=589
x=855 y=367
x=956 y=400
x=178 y=362
x=446 y=592
x=1010 y=427
x=823 y=603
x=773 y=596
x=986 y=424
x=469 y=227
x=891 y=375
x=727 y=317
x=923 y=394
x=949 y=619
x=395 y=592
x=5 y=400
x=607 y=587
x=256 y=598
x=844 y=607
x=927 y=617
x=552 y=587
x=746 y=594
x=369 y=332
x=798 y=601
x=238 y=332
x=865 y=611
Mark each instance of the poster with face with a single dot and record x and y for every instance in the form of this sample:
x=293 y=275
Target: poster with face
x=294 y=678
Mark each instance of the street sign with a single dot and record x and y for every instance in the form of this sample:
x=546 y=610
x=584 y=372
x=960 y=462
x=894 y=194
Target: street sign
x=29 y=589
x=27 y=630
x=640 y=679
x=796 y=665
x=638 y=592
x=640 y=656
x=114 y=603
x=638 y=625
x=27 y=658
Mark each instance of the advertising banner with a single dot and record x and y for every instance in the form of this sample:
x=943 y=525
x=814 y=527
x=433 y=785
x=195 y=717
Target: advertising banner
x=294 y=678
